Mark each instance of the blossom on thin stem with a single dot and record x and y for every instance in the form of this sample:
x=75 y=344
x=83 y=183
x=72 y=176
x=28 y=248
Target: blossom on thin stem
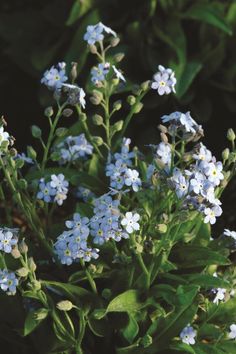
x=164 y=81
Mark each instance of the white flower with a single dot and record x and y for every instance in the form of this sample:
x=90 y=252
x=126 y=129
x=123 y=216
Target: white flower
x=211 y=214
x=132 y=179
x=118 y=73
x=232 y=333
x=214 y=172
x=131 y=222
x=220 y=295
x=229 y=233
x=4 y=136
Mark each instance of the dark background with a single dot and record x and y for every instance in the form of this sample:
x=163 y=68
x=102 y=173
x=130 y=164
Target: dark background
x=195 y=38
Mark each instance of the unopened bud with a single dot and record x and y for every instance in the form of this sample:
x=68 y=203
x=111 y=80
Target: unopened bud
x=137 y=90
x=162 y=228
x=164 y=138
x=92 y=268
x=60 y=132
x=225 y=154
x=22 y=184
x=48 y=112
x=36 y=131
x=65 y=305
x=162 y=128
x=145 y=85
x=13 y=152
x=231 y=135
x=131 y=100
x=117 y=105
x=115 y=41
x=15 y=253
x=93 y=49
x=97 y=119
x=23 y=248
x=67 y=112
x=138 y=107
x=32 y=265
x=146 y=341
x=36 y=285
x=115 y=81
x=31 y=152
x=97 y=140
x=106 y=294
x=40 y=314
x=19 y=163
x=3 y=121
x=119 y=57
x=73 y=73
x=118 y=126
x=22 y=272
x=96 y=98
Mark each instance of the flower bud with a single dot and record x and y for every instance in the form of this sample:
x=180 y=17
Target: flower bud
x=131 y=100
x=146 y=341
x=106 y=294
x=31 y=152
x=115 y=41
x=97 y=119
x=19 y=163
x=48 y=112
x=92 y=268
x=60 y=132
x=22 y=184
x=22 y=272
x=164 y=138
x=117 y=126
x=138 y=107
x=115 y=81
x=73 y=73
x=117 y=105
x=3 y=121
x=145 y=85
x=225 y=154
x=13 y=152
x=162 y=228
x=97 y=140
x=137 y=90
x=15 y=252
x=64 y=305
x=67 y=112
x=93 y=49
x=96 y=97
x=36 y=131
x=36 y=285
x=162 y=128
x=231 y=135
x=32 y=265
x=23 y=248
x=119 y=57
x=40 y=314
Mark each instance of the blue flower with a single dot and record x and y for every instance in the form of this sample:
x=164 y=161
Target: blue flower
x=46 y=192
x=99 y=73
x=164 y=153
x=7 y=240
x=164 y=81
x=85 y=194
x=55 y=76
x=214 y=172
x=8 y=282
x=132 y=179
x=88 y=254
x=95 y=33
x=76 y=95
x=74 y=148
x=130 y=222
x=211 y=214
x=79 y=225
x=188 y=335
x=25 y=158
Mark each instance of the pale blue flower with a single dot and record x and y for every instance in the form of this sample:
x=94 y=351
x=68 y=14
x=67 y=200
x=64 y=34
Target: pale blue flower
x=229 y=233
x=203 y=154
x=214 y=172
x=99 y=72
x=232 y=333
x=164 y=81
x=211 y=214
x=188 y=335
x=79 y=225
x=94 y=34
x=163 y=152
x=76 y=95
x=85 y=194
x=73 y=148
x=130 y=222
x=132 y=179
x=55 y=76
x=220 y=295
x=59 y=182
x=8 y=282
x=88 y=254
x=46 y=192
x=7 y=241
x=25 y=158
x=181 y=186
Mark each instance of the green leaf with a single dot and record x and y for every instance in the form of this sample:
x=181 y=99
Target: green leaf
x=126 y=302
x=208 y=13
x=100 y=328
x=94 y=166
x=183 y=348
x=79 y=8
x=189 y=73
x=207 y=281
x=131 y=330
x=32 y=322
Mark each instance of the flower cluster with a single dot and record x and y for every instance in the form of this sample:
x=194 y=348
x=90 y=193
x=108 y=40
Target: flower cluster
x=8 y=282
x=96 y=33
x=164 y=81
x=72 y=244
x=105 y=224
x=53 y=191
x=119 y=171
x=8 y=240
x=73 y=148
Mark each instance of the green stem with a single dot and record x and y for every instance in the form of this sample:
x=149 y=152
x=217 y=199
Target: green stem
x=89 y=277
x=140 y=261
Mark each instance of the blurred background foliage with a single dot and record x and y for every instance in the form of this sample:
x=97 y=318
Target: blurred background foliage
x=195 y=38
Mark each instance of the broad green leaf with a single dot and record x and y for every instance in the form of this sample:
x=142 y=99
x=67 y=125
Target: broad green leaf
x=31 y=322
x=207 y=281
x=126 y=302
x=131 y=330
x=210 y=14
x=189 y=73
x=183 y=348
x=94 y=166
x=228 y=346
x=208 y=349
